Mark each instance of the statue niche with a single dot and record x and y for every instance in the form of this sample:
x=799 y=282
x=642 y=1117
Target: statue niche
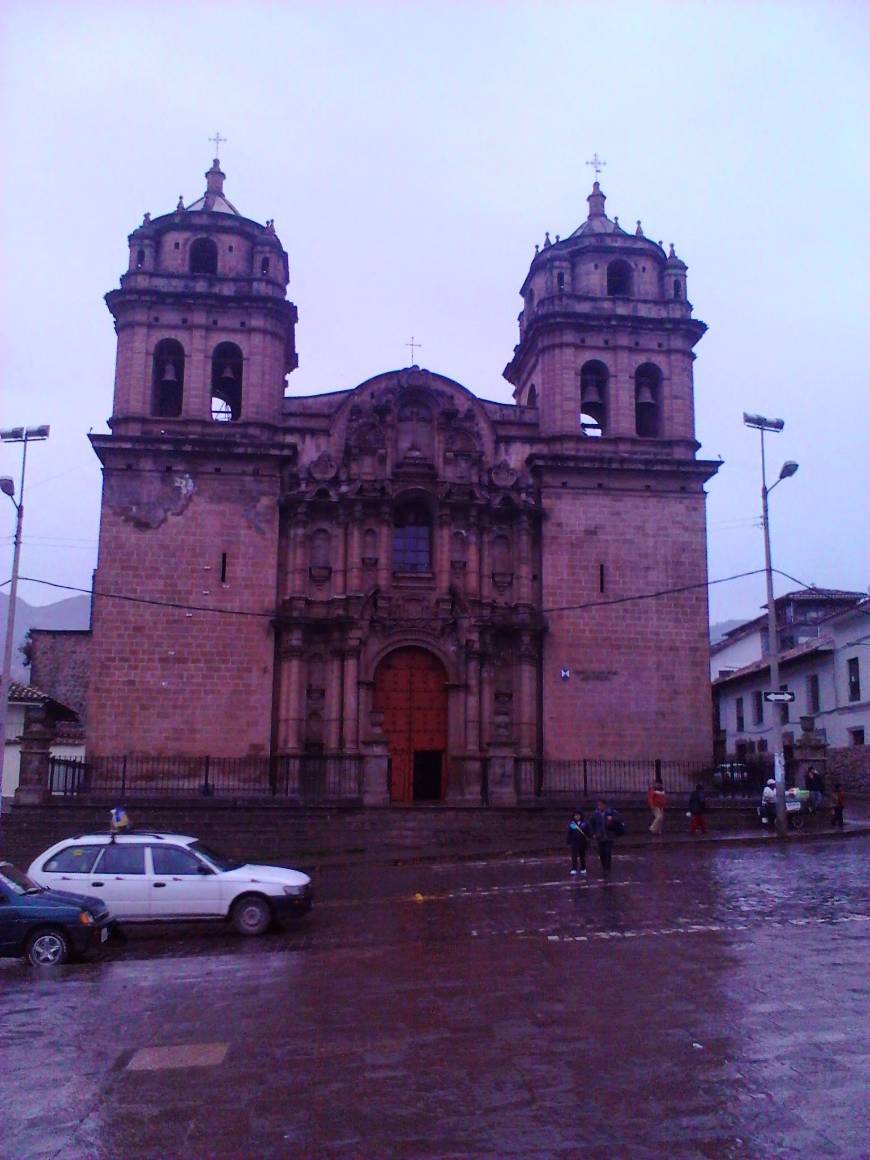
x=416 y=434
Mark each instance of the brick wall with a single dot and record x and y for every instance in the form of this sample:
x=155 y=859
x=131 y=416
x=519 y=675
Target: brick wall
x=173 y=680
x=59 y=662
x=638 y=686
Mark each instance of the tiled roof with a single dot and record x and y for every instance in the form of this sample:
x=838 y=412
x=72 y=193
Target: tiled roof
x=26 y=694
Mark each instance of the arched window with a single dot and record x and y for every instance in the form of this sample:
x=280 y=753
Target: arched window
x=530 y=299
x=140 y=259
x=619 y=279
x=264 y=265
x=648 y=401
x=678 y=289
x=532 y=397
x=412 y=538
x=226 y=382
x=203 y=256
x=593 y=398
x=167 y=379
x=560 y=282
x=370 y=548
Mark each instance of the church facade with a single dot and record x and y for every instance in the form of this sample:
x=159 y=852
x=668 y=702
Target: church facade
x=402 y=568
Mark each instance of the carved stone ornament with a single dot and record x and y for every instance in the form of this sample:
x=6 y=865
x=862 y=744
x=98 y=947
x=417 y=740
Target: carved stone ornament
x=324 y=467
x=503 y=475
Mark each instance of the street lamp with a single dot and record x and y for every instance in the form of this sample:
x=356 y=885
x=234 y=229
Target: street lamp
x=760 y=423
x=23 y=435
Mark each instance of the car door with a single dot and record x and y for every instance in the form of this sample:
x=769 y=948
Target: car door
x=11 y=921
x=120 y=878
x=70 y=868
x=182 y=885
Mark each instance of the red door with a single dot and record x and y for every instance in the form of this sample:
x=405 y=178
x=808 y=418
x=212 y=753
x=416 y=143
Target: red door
x=411 y=692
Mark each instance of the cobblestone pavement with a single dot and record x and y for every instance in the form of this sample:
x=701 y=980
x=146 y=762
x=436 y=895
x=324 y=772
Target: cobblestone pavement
x=700 y=1002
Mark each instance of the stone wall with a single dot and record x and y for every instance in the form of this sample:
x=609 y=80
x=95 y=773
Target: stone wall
x=59 y=660
x=850 y=766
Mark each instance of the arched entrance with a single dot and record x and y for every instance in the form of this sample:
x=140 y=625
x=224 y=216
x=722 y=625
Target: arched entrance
x=411 y=692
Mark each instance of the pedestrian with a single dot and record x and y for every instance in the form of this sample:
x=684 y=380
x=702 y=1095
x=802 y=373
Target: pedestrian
x=768 y=803
x=603 y=824
x=578 y=833
x=839 y=806
x=697 y=807
x=657 y=801
x=813 y=784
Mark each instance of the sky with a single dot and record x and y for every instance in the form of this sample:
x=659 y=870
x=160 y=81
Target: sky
x=412 y=155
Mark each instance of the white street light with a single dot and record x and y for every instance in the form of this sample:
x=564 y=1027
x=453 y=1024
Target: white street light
x=23 y=435
x=760 y=423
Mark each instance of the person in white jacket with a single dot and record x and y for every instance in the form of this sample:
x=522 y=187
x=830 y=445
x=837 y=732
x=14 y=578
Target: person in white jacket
x=768 y=803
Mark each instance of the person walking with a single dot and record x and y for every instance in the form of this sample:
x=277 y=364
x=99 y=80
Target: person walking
x=602 y=824
x=697 y=808
x=768 y=803
x=814 y=784
x=578 y=833
x=657 y=801
x=839 y=806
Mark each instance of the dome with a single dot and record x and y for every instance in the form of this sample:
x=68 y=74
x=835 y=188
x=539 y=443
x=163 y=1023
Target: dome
x=213 y=200
x=597 y=222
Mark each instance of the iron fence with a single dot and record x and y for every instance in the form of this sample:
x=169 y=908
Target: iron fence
x=307 y=779
x=587 y=778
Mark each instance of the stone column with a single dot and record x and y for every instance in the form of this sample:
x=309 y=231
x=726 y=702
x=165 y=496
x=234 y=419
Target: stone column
x=472 y=569
x=500 y=776
x=354 y=551
x=523 y=559
x=296 y=582
x=385 y=546
x=291 y=707
x=339 y=567
x=332 y=721
x=442 y=552
x=528 y=701
x=485 y=561
x=487 y=692
x=351 y=699
x=472 y=701
x=35 y=755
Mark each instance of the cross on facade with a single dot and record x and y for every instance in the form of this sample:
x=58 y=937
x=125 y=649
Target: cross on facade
x=596 y=164
x=413 y=344
x=217 y=143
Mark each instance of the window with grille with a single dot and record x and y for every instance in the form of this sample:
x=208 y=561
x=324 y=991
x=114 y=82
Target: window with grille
x=412 y=539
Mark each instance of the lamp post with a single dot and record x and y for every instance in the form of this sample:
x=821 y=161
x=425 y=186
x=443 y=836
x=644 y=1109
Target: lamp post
x=23 y=435
x=788 y=469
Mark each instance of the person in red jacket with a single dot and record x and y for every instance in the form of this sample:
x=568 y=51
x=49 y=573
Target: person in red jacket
x=657 y=801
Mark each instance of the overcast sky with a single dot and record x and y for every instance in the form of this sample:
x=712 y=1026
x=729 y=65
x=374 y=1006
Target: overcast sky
x=412 y=155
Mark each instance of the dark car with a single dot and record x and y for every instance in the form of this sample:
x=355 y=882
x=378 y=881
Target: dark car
x=47 y=926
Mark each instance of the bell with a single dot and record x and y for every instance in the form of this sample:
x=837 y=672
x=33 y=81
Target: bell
x=227 y=374
x=591 y=394
x=645 y=397
x=169 y=373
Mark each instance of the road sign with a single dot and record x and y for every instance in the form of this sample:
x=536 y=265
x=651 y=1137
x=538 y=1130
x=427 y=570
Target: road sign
x=779 y=698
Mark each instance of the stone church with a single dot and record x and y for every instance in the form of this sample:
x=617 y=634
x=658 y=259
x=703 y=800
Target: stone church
x=403 y=568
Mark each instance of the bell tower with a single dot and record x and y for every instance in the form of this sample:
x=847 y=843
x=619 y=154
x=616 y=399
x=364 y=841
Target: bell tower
x=185 y=586
x=205 y=333
x=605 y=356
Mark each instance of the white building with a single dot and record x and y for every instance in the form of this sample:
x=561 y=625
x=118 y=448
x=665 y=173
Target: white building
x=829 y=673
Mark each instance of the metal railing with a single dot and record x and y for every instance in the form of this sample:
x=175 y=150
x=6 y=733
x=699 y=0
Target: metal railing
x=306 y=779
x=585 y=779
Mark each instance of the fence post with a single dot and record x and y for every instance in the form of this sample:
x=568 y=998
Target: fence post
x=206 y=788
x=658 y=776
x=585 y=781
x=123 y=778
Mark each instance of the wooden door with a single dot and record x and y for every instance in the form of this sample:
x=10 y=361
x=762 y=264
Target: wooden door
x=411 y=692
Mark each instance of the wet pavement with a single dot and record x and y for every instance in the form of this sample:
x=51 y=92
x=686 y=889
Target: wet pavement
x=707 y=1001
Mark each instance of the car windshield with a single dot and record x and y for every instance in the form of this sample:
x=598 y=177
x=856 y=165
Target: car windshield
x=219 y=861
x=17 y=881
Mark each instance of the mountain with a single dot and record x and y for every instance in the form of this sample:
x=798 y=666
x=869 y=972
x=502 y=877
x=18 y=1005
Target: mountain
x=74 y=612
x=718 y=630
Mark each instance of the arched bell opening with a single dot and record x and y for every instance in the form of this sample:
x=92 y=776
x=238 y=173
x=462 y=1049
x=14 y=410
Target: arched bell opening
x=227 y=364
x=647 y=401
x=619 y=279
x=593 y=398
x=410 y=691
x=167 y=379
x=203 y=256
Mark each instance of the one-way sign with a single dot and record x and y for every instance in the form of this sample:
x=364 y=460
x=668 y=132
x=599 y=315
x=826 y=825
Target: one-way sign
x=779 y=698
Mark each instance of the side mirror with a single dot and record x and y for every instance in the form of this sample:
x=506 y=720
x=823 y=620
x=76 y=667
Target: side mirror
x=203 y=870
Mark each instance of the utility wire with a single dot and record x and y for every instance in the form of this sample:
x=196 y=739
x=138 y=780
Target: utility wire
x=459 y=616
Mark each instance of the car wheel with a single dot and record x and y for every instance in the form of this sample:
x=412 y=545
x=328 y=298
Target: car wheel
x=47 y=948
x=251 y=915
